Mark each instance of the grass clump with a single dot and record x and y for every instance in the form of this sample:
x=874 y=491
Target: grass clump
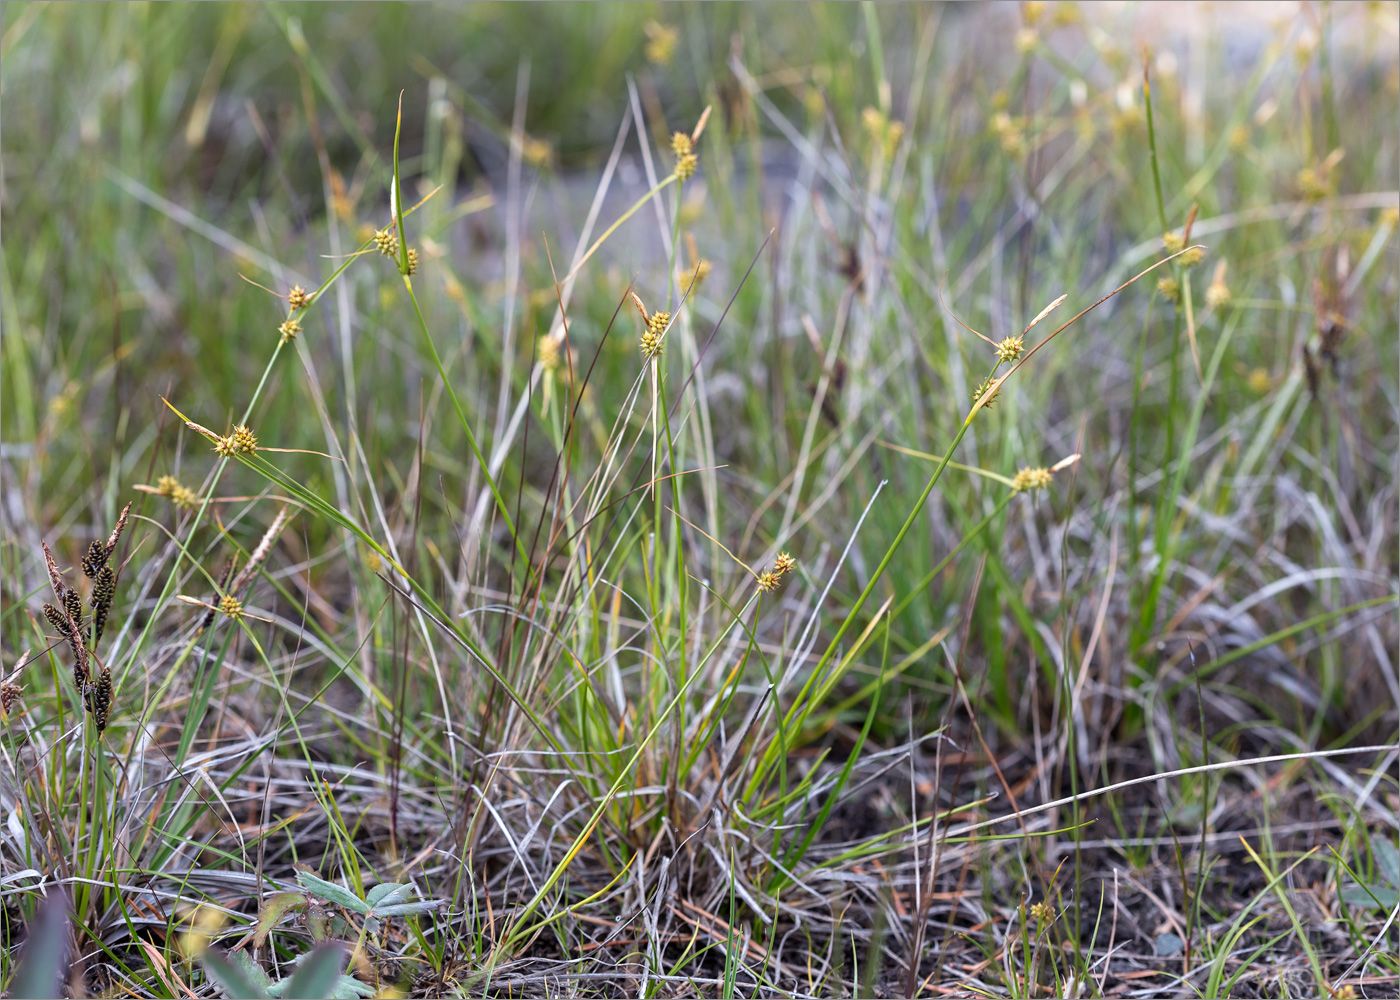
x=488 y=650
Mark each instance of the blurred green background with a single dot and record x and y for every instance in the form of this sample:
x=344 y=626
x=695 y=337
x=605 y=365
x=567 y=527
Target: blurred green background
x=156 y=156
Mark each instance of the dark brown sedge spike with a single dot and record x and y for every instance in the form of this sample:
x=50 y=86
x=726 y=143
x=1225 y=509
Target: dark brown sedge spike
x=66 y=621
x=73 y=604
x=9 y=694
x=63 y=625
x=95 y=559
x=103 y=589
x=58 y=620
x=100 y=701
x=1314 y=371
x=81 y=674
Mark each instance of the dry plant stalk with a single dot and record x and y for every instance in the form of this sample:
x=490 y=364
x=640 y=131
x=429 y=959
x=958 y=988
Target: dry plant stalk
x=227 y=597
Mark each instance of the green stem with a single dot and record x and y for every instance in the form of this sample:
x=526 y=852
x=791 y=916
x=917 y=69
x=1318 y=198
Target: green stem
x=850 y=618
x=932 y=574
x=1152 y=149
x=466 y=424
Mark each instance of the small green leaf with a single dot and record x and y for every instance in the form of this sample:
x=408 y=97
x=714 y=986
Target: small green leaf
x=350 y=988
x=236 y=982
x=271 y=913
x=317 y=973
x=1387 y=859
x=1374 y=897
x=394 y=899
x=332 y=892
x=381 y=892
x=401 y=909
x=344 y=988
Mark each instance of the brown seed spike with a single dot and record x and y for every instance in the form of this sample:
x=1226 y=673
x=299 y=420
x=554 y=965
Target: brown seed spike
x=9 y=693
x=95 y=559
x=73 y=604
x=64 y=626
x=100 y=702
x=103 y=589
x=55 y=578
x=58 y=620
x=80 y=668
x=116 y=534
x=260 y=553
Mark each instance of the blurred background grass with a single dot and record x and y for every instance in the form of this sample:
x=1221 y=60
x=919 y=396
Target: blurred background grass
x=1024 y=176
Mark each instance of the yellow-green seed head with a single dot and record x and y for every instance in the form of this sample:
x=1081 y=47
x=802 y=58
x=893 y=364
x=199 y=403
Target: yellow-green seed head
x=245 y=442
x=412 y=261
x=298 y=298
x=1170 y=289
x=661 y=42
x=1010 y=349
x=652 y=335
x=784 y=564
x=547 y=350
x=289 y=330
x=386 y=242
x=981 y=390
x=686 y=166
x=177 y=493
x=1031 y=479
x=1218 y=294
x=1314 y=183
x=686 y=160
